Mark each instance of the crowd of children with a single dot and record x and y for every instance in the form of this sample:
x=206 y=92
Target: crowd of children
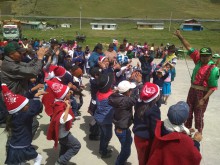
x=117 y=87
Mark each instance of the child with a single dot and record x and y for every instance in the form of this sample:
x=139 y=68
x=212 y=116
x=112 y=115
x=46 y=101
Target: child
x=94 y=128
x=172 y=144
x=104 y=113
x=146 y=114
x=123 y=118
x=158 y=78
x=19 y=125
x=61 y=123
x=167 y=82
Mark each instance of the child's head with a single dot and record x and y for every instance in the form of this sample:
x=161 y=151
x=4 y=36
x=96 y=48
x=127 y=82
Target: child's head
x=95 y=72
x=60 y=91
x=104 y=60
x=76 y=71
x=168 y=66
x=159 y=73
x=13 y=102
x=149 y=92
x=178 y=113
x=125 y=87
x=105 y=82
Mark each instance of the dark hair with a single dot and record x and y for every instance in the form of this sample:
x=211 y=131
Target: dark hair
x=140 y=110
x=74 y=67
x=8 y=127
x=95 y=71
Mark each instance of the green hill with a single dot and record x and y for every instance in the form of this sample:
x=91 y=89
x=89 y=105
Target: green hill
x=155 y=9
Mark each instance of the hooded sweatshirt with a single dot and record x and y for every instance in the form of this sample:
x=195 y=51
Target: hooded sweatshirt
x=122 y=105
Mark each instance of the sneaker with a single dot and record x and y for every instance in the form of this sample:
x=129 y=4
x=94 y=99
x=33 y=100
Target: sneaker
x=108 y=155
x=109 y=151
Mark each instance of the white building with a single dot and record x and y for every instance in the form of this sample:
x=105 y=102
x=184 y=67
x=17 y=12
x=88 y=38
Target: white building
x=66 y=25
x=149 y=25
x=103 y=26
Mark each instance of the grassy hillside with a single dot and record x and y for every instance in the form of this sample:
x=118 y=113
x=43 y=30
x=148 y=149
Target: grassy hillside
x=120 y=9
x=197 y=39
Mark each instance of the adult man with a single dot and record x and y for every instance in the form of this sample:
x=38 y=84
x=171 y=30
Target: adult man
x=204 y=82
x=16 y=73
x=111 y=53
x=93 y=59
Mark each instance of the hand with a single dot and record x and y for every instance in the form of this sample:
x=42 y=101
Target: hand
x=40 y=86
x=41 y=52
x=197 y=137
x=138 y=77
x=177 y=33
x=70 y=85
x=57 y=52
x=40 y=93
x=201 y=102
x=67 y=102
x=101 y=65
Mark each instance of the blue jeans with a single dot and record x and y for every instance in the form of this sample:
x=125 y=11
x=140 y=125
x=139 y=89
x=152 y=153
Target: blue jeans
x=105 y=137
x=124 y=136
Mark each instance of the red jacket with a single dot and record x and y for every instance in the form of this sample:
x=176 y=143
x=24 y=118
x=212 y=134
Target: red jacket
x=53 y=130
x=172 y=149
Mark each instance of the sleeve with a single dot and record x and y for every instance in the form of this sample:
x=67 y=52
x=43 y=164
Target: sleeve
x=194 y=54
x=35 y=107
x=213 y=78
x=69 y=117
x=91 y=62
x=197 y=144
x=54 y=59
x=26 y=71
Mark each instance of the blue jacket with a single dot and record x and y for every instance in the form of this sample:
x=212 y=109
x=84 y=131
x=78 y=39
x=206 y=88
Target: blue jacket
x=22 y=124
x=93 y=59
x=144 y=127
x=104 y=112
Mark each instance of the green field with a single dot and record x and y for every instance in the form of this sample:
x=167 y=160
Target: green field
x=145 y=9
x=197 y=39
x=162 y=9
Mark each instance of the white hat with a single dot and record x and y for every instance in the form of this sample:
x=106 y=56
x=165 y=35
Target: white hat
x=125 y=85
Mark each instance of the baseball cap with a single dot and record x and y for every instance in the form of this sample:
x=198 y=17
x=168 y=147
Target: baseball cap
x=125 y=85
x=216 y=56
x=178 y=113
x=12 y=47
x=205 y=51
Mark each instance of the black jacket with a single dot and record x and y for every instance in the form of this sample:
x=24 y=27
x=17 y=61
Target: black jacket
x=123 y=116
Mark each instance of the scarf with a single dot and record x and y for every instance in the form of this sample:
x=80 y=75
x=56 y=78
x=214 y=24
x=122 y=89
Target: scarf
x=175 y=128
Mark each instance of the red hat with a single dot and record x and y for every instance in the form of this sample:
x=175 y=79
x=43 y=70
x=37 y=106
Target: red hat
x=13 y=102
x=59 y=71
x=58 y=89
x=149 y=92
x=102 y=58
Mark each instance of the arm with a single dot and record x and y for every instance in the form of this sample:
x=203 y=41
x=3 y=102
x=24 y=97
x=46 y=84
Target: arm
x=183 y=40
x=66 y=112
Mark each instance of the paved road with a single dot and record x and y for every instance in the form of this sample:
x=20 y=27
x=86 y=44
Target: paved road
x=88 y=155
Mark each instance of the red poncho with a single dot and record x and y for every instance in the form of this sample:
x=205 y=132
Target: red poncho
x=53 y=130
x=172 y=149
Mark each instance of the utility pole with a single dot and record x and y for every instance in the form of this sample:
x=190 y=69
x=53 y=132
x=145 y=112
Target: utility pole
x=171 y=14
x=80 y=17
